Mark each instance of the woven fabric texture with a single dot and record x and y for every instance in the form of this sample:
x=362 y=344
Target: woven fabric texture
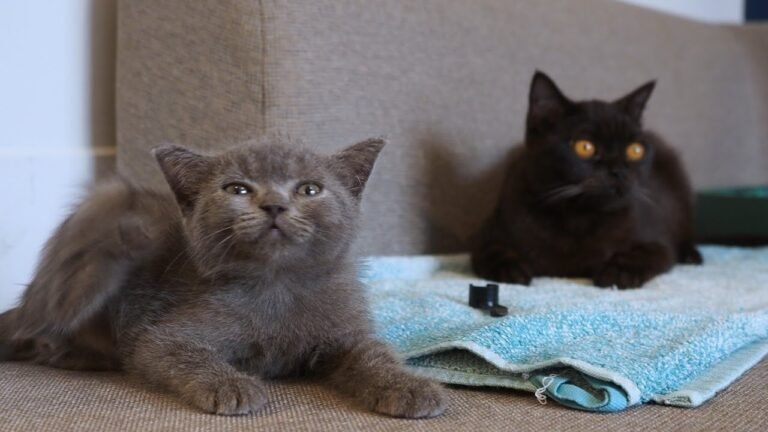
x=39 y=399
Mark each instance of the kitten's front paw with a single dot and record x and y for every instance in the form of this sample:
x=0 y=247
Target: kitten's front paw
x=614 y=275
x=415 y=398
x=229 y=396
x=502 y=266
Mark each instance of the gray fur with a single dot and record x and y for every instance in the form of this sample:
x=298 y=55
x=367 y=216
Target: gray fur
x=205 y=293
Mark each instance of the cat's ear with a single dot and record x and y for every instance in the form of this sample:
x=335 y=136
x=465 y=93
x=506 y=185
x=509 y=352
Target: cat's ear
x=354 y=164
x=633 y=104
x=184 y=170
x=545 y=100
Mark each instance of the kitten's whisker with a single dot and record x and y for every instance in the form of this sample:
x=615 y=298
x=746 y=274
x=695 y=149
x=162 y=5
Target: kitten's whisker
x=189 y=256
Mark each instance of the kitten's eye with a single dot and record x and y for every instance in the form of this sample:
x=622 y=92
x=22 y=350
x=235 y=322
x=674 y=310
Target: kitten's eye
x=309 y=189
x=635 y=152
x=237 y=189
x=584 y=149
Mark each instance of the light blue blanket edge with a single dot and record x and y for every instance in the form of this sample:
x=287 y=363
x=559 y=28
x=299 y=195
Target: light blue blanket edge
x=690 y=395
x=517 y=377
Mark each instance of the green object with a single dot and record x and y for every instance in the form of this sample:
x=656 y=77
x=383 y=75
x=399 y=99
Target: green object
x=733 y=215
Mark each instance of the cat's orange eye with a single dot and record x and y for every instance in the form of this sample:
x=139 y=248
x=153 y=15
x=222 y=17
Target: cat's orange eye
x=635 y=152
x=584 y=149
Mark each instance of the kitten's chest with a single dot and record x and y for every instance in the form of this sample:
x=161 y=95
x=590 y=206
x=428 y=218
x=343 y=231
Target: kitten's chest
x=283 y=328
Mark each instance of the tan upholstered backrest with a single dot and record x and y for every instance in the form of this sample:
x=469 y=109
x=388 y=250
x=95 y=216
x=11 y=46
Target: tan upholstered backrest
x=445 y=80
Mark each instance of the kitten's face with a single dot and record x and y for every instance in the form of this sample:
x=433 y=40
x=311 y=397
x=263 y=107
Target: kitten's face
x=268 y=205
x=587 y=154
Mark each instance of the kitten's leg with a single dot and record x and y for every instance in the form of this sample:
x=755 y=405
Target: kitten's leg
x=687 y=253
x=90 y=349
x=635 y=266
x=64 y=354
x=197 y=374
x=370 y=374
x=500 y=264
x=7 y=323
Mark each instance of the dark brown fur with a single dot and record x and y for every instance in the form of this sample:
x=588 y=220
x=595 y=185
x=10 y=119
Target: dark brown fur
x=608 y=218
x=208 y=297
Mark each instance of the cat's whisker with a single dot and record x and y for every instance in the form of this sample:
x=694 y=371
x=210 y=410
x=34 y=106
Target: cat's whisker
x=561 y=193
x=645 y=195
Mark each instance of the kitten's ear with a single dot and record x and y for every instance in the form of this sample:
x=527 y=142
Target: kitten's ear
x=634 y=103
x=545 y=100
x=184 y=171
x=354 y=164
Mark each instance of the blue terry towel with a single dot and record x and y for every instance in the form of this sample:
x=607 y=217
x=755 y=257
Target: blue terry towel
x=678 y=340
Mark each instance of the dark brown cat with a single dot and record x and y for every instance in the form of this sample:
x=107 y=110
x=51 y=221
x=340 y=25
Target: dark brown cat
x=590 y=194
x=242 y=274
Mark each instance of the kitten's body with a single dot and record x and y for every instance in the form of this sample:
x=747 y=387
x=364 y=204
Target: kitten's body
x=234 y=288
x=618 y=222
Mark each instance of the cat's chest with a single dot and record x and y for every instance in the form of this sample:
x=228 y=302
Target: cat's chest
x=575 y=245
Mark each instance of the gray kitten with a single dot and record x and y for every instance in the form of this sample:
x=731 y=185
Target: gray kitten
x=242 y=274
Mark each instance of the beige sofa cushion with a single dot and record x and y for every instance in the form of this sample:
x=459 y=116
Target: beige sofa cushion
x=445 y=80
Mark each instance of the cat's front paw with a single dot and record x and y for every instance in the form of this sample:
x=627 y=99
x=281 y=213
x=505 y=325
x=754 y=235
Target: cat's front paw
x=621 y=277
x=501 y=266
x=635 y=266
x=228 y=396
x=416 y=398
x=689 y=254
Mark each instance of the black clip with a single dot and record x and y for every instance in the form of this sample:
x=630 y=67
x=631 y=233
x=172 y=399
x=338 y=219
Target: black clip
x=486 y=298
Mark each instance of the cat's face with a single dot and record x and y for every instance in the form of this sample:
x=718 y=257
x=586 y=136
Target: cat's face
x=589 y=154
x=268 y=205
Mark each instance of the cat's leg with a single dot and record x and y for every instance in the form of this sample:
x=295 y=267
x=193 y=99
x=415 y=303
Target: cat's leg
x=495 y=260
x=633 y=267
x=197 y=373
x=688 y=253
x=369 y=373
x=501 y=264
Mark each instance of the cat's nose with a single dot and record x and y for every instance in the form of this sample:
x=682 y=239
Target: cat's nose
x=273 y=209
x=615 y=173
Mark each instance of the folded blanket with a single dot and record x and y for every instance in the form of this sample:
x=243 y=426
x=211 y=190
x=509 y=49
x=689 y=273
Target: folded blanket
x=678 y=340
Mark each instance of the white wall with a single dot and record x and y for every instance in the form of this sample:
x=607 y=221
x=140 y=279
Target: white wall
x=56 y=120
x=716 y=11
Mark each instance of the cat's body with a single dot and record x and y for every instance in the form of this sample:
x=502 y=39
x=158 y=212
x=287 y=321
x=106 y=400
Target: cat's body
x=599 y=214
x=248 y=277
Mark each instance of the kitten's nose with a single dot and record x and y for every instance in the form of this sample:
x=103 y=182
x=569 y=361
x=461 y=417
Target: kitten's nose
x=273 y=209
x=615 y=173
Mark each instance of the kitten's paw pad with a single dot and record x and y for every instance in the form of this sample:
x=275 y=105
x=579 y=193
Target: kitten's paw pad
x=622 y=278
x=232 y=396
x=419 y=399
